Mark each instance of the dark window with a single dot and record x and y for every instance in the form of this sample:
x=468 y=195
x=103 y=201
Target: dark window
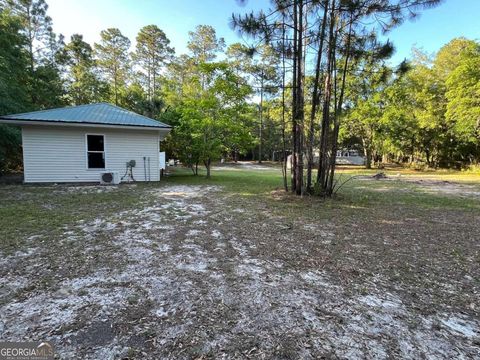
x=96 y=160
x=95 y=152
x=95 y=142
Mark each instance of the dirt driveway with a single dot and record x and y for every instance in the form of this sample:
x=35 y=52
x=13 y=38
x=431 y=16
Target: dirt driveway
x=197 y=272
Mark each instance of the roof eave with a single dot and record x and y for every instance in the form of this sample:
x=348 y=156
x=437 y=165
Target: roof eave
x=20 y=122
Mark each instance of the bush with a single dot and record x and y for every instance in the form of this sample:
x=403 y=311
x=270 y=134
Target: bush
x=10 y=149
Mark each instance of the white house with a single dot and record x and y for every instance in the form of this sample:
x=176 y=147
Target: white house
x=81 y=143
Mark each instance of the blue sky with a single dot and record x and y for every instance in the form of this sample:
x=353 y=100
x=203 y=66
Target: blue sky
x=434 y=28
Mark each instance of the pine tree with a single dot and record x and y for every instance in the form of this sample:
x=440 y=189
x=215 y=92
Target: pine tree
x=113 y=58
x=204 y=44
x=83 y=85
x=311 y=24
x=13 y=64
x=152 y=54
x=44 y=83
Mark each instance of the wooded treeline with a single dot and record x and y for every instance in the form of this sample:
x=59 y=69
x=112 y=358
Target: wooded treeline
x=314 y=80
x=428 y=114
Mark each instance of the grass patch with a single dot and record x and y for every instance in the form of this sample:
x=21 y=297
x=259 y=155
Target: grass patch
x=355 y=193
x=46 y=210
x=241 y=182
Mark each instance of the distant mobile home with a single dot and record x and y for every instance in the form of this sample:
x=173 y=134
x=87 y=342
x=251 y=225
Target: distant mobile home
x=89 y=143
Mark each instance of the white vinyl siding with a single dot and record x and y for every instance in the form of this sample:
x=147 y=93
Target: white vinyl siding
x=58 y=153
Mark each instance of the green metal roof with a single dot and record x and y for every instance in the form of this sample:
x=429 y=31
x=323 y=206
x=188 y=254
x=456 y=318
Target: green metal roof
x=100 y=113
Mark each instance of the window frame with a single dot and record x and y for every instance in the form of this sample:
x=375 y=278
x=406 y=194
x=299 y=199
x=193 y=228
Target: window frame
x=104 y=152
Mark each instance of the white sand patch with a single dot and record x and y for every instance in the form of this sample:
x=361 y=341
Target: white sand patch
x=461 y=326
x=163 y=247
x=319 y=230
x=243 y=165
x=87 y=281
x=251 y=268
x=47 y=312
x=11 y=283
x=140 y=254
x=191 y=263
x=86 y=189
x=199 y=208
x=317 y=279
x=107 y=353
x=196 y=249
x=7 y=261
x=194 y=232
x=142 y=235
x=448 y=188
x=239 y=247
x=374 y=301
x=184 y=191
x=161 y=312
x=97 y=225
x=217 y=234
x=430 y=186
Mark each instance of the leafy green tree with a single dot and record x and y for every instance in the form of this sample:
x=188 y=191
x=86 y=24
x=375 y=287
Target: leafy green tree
x=209 y=112
x=259 y=67
x=13 y=86
x=463 y=96
x=366 y=104
x=134 y=98
x=401 y=131
x=10 y=148
x=430 y=115
x=113 y=59
x=13 y=63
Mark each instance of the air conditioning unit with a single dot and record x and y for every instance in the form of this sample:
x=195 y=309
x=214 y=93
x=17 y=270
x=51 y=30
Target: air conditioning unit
x=110 y=178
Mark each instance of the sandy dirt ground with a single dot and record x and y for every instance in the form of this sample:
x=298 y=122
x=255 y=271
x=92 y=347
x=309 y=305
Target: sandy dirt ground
x=196 y=273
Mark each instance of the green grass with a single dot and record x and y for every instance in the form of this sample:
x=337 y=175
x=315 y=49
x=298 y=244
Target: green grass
x=45 y=210
x=355 y=193
x=242 y=182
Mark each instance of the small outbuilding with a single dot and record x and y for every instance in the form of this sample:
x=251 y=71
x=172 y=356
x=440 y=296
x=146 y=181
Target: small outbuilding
x=89 y=143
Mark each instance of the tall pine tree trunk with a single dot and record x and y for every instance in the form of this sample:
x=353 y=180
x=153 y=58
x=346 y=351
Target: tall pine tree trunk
x=284 y=145
x=300 y=111
x=315 y=98
x=338 y=112
x=294 y=99
x=327 y=95
x=261 y=121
